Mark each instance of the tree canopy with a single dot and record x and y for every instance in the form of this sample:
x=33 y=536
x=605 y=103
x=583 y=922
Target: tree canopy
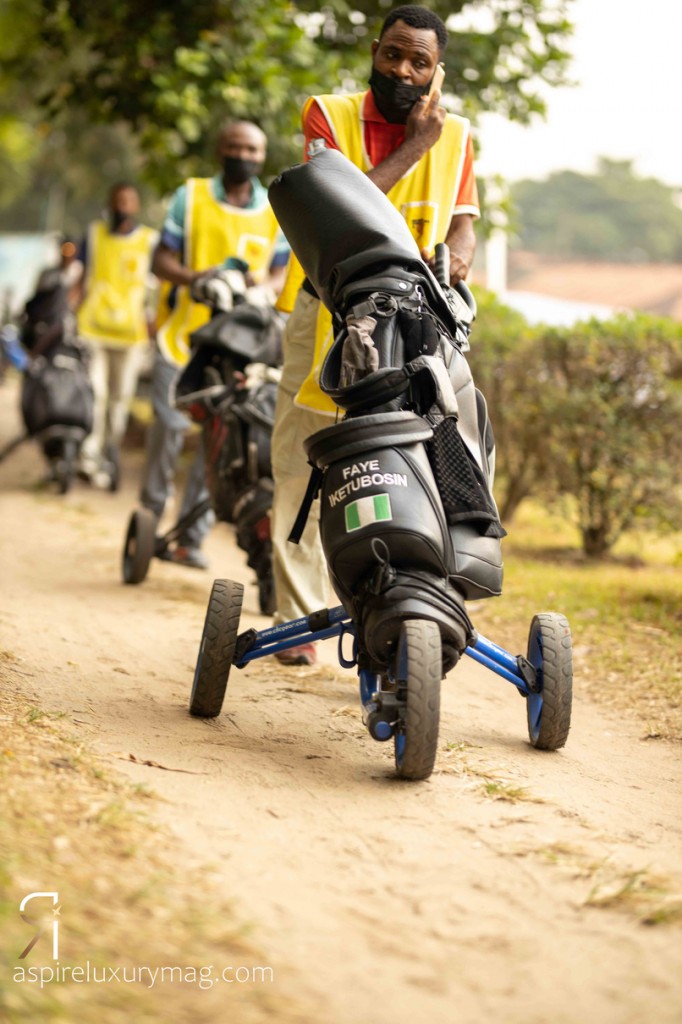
x=610 y=215
x=171 y=72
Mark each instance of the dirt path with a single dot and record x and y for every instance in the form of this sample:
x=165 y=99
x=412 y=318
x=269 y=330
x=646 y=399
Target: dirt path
x=514 y=885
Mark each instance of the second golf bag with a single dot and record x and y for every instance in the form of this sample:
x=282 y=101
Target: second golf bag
x=229 y=387
x=408 y=523
x=56 y=395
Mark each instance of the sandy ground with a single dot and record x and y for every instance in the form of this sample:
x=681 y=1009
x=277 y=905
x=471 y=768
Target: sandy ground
x=514 y=885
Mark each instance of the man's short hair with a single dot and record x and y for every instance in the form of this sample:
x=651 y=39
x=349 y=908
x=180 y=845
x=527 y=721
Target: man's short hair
x=237 y=123
x=417 y=17
x=122 y=186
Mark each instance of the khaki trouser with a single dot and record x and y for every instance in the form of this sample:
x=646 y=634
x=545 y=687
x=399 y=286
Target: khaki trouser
x=113 y=371
x=300 y=570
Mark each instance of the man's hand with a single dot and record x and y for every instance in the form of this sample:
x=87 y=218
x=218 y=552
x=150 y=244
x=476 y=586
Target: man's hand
x=425 y=121
x=461 y=241
x=423 y=128
x=218 y=288
x=459 y=268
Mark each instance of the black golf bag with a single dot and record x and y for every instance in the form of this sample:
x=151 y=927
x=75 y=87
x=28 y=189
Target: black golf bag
x=408 y=523
x=57 y=398
x=229 y=387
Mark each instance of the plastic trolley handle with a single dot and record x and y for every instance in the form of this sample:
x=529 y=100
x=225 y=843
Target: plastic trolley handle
x=442 y=274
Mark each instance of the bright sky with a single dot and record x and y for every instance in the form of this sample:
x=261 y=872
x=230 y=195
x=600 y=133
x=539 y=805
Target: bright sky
x=627 y=105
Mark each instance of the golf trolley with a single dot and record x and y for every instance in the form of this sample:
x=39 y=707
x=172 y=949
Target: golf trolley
x=229 y=388
x=408 y=525
x=57 y=398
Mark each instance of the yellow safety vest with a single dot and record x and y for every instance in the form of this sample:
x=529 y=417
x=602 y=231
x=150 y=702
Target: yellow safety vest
x=425 y=196
x=214 y=231
x=115 y=285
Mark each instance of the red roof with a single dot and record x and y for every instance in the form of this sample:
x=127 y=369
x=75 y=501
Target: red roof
x=648 y=287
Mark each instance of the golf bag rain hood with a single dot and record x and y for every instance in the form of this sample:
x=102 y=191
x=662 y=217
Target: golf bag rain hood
x=408 y=523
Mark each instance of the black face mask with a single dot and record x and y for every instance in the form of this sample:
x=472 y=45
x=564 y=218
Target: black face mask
x=117 y=218
x=393 y=98
x=236 y=171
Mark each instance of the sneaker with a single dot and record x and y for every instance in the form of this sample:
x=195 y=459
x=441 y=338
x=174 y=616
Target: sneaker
x=194 y=558
x=101 y=480
x=305 y=654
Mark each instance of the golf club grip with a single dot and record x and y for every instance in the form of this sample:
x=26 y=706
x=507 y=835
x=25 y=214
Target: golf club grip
x=442 y=267
x=463 y=289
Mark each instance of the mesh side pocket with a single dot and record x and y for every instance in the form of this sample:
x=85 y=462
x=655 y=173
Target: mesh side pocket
x=460 y=482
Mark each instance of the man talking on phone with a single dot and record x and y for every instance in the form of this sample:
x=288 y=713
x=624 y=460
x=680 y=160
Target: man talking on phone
x=421 y=157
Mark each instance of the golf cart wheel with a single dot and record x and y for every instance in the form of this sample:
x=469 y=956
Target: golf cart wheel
x=216 y=652
x=113 y=468
x=551 y=654
x=140 y=545
x=418 y=673
x=64 y=466
x=266 y=593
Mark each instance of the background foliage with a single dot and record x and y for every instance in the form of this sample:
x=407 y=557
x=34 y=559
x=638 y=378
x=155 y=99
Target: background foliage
x=168 y=74
x=589 y=413
x=611 y=215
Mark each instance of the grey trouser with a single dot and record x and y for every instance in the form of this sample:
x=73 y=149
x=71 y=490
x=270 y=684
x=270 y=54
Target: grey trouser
x=165 y=438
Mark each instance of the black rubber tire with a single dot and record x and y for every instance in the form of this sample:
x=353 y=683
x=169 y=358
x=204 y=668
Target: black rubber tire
x=140 y=545
x=113 y=467
x=418 y=672
x=65 y=466
x=216 y=650
x=266 y=594
x=550 y=651
x=63 y=478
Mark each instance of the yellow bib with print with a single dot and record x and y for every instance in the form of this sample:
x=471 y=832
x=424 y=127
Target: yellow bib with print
x=214 y=231
x=116 y=283
x=425 y=196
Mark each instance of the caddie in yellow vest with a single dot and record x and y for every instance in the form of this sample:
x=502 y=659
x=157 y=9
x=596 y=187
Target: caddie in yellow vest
x=213 y=229
x=112 y=319
x=224 y=221
x=422 y=159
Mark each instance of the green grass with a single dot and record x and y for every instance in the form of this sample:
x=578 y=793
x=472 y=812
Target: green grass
x=625 y=613
x=505 y=791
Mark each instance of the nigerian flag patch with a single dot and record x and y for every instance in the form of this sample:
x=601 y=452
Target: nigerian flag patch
x=366 y=511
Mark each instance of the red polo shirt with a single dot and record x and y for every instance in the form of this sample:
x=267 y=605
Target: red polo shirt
x=383 y=138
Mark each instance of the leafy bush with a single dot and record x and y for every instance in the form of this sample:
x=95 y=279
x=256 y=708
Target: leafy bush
x=592 y=411
x=612 y=401
x=504 y=360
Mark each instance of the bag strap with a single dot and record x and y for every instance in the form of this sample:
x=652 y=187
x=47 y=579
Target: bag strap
x=312 y=491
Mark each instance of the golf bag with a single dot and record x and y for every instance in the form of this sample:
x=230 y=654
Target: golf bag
x=229 y=387
x=408 y=523
x=57 y=398
x=56 y=392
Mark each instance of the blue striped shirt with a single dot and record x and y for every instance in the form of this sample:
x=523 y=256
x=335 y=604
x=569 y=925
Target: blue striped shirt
x=173 y=231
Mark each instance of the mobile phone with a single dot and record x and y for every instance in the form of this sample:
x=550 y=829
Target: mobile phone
x=437 y=80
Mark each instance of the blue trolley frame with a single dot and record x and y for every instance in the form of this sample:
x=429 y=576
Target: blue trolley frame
x=335 y=622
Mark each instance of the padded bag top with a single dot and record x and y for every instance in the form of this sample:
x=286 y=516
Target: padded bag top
x=340 y=226
x=251 y=333
x=330 y=211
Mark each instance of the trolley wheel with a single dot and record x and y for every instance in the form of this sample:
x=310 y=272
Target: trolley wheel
x=418 y=672
x=551 y=654
x=113 y=467
x=216 y=652
x=64 y=466
x=266 y=594
x=140 y=545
